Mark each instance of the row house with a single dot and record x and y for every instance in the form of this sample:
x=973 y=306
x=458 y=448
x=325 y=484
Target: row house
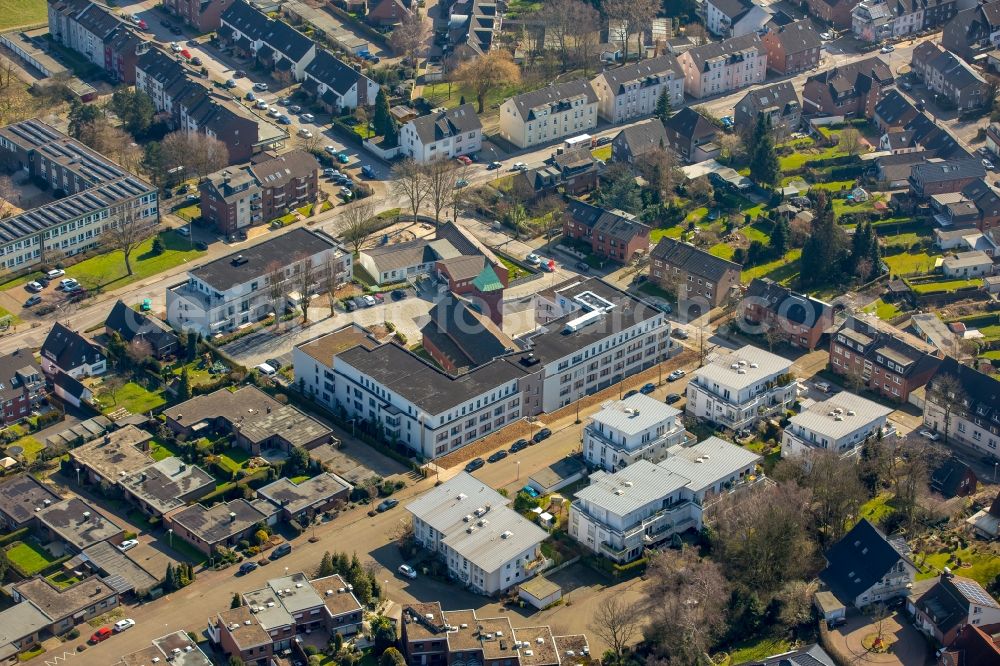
x=969 y=417
x=721 y=67
x=202 y=15
x=945 y=176
x=442 y=135
x=975 y=206
x=973 y=31
x=948 y=75
x=919 y=134
x=189 y=106
x=550 y=113
x=778 y=103
x=574 y=170
x=22 y=386
x=691 y=273
x=734 y=18
x=631 y=91
x=879 y=20
x=791 y=48
x=774 y=310
x=870 y=353
x=274 y=43
x=613 y=235
x=235 y=199
x=93 y=196
x=848 y=90
x=336 y=86
x=97 y=34
x=834 y=12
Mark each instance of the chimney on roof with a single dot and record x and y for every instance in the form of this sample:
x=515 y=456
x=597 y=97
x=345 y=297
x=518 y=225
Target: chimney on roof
x=86 y=516
x=232 y=517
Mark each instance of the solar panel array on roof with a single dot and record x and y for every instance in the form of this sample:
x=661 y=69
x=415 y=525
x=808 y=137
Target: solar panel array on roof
x=974 y=592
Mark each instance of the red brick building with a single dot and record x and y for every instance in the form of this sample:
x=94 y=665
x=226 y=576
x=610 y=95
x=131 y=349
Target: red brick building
x=692 y=274
x=610 y=234
x=849 y=90
x=792 y=48
x=835 y=12
x=778 y=312
x=882 y=358
x=23 y=385
x=202 y=15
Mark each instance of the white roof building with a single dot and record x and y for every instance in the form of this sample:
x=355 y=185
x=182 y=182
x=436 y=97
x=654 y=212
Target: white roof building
x=638 y=427
x=711 y=465
x=486 y=544
x=839 y=424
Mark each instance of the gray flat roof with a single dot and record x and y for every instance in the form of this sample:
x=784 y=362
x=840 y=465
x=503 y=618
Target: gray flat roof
x=116 y=564
x=855 y=412
x=445 y=506
x=295 y=497
x=78 y=523
x=708 y=462
x=22 y=494
x=165 y=482
x=634 y=414
x=505 y=535
x=756 y=365
x=632 y=488
x=21 y=620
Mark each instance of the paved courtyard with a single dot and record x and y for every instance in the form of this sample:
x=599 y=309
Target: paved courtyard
x=909 y=648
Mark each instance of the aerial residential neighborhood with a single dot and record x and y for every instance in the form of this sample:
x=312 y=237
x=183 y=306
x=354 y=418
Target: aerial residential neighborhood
x=475 y=333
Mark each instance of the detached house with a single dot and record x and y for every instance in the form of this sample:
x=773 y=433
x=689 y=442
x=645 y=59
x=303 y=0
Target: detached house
x=734 y=18
x=65 y=350
x=950 y=604
x=637 y=140
x=835 y=12
x=946 y=74
x=865 y=567
x=776 y=310
x=553 y=112
x=132 y=325
x=22 y=386
x=778 y=103
x=721 y=67
x=611 y=234
x=692 y=136
x=443 y=134
x=631 y=91
x=792 y=48
x=848 y=90
x=692 y=273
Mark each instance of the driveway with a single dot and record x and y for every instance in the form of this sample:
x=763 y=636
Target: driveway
x=909 y=648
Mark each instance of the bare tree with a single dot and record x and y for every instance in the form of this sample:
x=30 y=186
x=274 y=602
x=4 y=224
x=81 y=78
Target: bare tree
x=138 y=351
x=616 y=622
x=111 y=386
x=197 y=153
x=560 y=19
x=313 y=141
x=358 y=223
x=850 y=141
x=659 y=168
x=127 y=231
x=587 y=36
x=490 y=71
x=945 y=392
x=628 y=18
x=837 y=492
x=410 y=181
x=9 y=198
x=442 y=178
x=276 y=287
x=305 y=280
x=15 y=104
x=408 y=38
x=331 y=280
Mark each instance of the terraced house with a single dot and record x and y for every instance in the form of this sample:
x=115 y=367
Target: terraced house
x=550 y=113
x=721 y=67
x=97 y=34
x=95 y=195
x=632 y=91
x=273 y=43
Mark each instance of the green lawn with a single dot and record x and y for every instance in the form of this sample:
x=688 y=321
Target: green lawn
x=513 y=270
x=843 y=207
x=696 y=215
x=602 y=153
x=17 y=13
x=188 y=213
x=799 y=159
x=234 y=458
x=437 y=95
x=29 y=557
x=876 y=508
x=945 y=285
x=655 y=290
x=984 y=567
x=756 y=650
x=671 y=232
x=906 y=262
x=723 y=250
x=779 y=270
x=160 y=451
x=883 y=310
x=133 y=397
x=833 y=185
x=109 y=269
x=62 y=580
x=31 y=446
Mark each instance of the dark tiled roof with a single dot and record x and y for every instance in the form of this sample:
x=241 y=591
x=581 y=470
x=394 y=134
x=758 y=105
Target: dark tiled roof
x=474 y=339
x=690 y=124
x=257 y=260
x=798 y=36
x=781 y=94
x=728 y=48
x=553 y=95
x=131 y=324
x=855 y=78
x=812 y=655
x=280 y=170
x=794 y=307
x=452 y=122
x=258 y=26
x=651 y=71
x=693 y=260
x=17 y=370
x=333 y=72
x=946 y=170
x=68 y=349
x=948 y=476
x=894 y=108
x=71 y=385
x=643 y=137
x=733 y=9
x=982 y=392
x=860 y=559
x=215 y=524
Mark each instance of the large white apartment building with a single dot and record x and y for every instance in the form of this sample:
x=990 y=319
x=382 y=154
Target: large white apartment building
x=550 y=113
x=487 y=545
x=640 y=506
x=840 y=424
x=245 y=287
x=636 y=428
x=739 y=389
x=721 y=67
x=628 y=92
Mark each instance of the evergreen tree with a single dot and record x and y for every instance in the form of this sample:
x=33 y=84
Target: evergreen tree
x=169 y=578
x=383 y=121
x=764 y=167
x=780 y=235
x=822 y=252
x=355 y=562
x=235 y=661
x=192 y=345
x=191 y=574
x=461 y=100
x=383 y=634
x=342 y=563
x=158 y=246
x=391 y=657
x=237 y=600
x=338 y=642
x=391 y=136
x=663 y=108
x=184 y=389
x=325 y=566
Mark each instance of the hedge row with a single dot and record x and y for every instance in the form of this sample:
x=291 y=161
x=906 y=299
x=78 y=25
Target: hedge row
x=13 y=536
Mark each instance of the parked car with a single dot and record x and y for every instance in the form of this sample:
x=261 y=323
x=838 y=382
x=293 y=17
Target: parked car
x=196 y=61
x=493 y=165
x=280 y=551
x=304 y=133
x=583 y=266
x=284 y=120
x=266 y=370
x=888 y=48
x=369 y=300
x=519 y=445
x=542 y=434
x=343 y=158
x=474 y=465
x=629 y=394
x=350 y=306
x=330 y=172
x=397 y=294
x=672 y=398
x=464 y=159
x=183 y=231
x=379 y=297
x=308 y=117
x=906 y=85
x=329 y=150
x=461 y=182
x=175 y=47
x=262 y=87
x=68 y=284
x=675 y=375
x=230 y=83
x=32 y=300
x=239 y=74
x=823 y=386
x=497 y=457
x=385 y=505
x=988 y=165
x=679 y=333
x=273 y=112
x=519 y=166
x=930 y=434
x=246 y=568
x=295 y=108
x=825 y=36
x=34 y=286
x=529 y=491
x=604 y=140
x=367 y=171
x=533 y=259
x=77 y=295
x=101 y=634
x=664 y=308
x=407 y=571
x=122 y=625
x=647 y=389
x=55 y=273
x=274 y=363
x=128 y=544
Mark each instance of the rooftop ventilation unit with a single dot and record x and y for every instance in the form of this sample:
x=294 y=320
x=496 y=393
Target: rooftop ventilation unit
x=754 y=365
x=591 y=317
x=506 y=535
x=462 y=496
x=464 y=625
x=628 y=484
x=741 y=371
x=588 y=300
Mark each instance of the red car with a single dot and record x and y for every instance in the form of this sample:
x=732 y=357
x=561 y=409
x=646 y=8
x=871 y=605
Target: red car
x=464 y=160
x=101 y=634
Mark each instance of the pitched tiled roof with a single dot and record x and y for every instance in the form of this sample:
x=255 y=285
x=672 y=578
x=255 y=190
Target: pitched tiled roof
x=796 y=308
x=690 y=124
x=855 y=78
x=650 y=71
x=554 y=95
x=452 y=122
x=728 y=48
x=798 y=36
x=68 y=349
x=860 y=559
x=693 y=260
x=643 y=137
